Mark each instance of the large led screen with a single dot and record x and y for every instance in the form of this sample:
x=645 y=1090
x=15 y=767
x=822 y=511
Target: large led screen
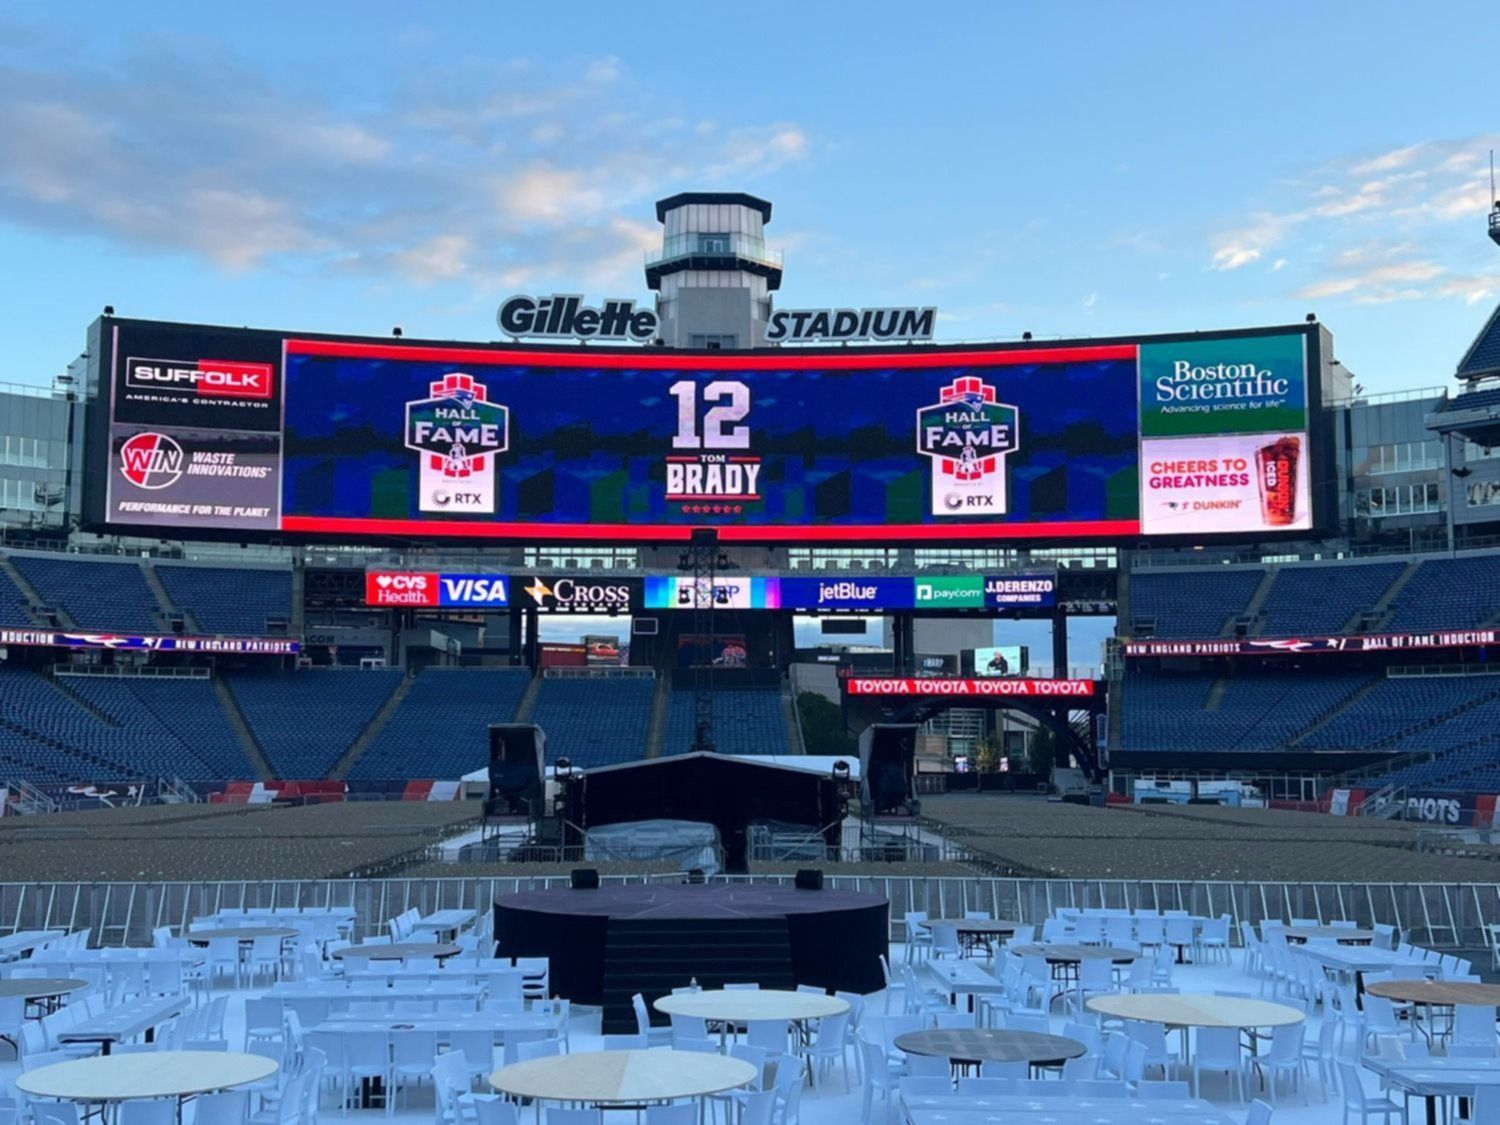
x=333 y=438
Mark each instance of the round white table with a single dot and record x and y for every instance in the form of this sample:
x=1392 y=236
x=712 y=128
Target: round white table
x=623 y=1077
x=741 y=1005
x=1196 y=1010
x=150 y=1074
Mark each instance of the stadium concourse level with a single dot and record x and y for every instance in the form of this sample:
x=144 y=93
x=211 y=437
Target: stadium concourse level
x=117 y=596
x=1347 y=596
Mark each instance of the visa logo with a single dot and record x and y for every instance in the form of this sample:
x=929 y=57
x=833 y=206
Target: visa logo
x=473 y=590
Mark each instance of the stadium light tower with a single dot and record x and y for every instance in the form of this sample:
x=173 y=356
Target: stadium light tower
x=713 y=275
x=1494 y=204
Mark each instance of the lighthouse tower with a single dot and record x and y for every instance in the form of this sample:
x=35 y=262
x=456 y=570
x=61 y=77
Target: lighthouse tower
x=713 y=275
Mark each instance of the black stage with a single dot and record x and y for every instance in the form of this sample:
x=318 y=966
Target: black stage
x=606 y=945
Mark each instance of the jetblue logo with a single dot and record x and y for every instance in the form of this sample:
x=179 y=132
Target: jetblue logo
x=473 y=590
x=844 y=592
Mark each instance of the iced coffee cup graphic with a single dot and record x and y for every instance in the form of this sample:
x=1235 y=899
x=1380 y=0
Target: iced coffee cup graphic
x=1276 y=468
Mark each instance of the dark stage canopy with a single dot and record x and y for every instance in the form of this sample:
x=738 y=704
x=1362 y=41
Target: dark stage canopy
x=728 y=792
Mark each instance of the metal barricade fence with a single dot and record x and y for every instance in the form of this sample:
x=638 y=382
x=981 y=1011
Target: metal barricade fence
x=1445 y=915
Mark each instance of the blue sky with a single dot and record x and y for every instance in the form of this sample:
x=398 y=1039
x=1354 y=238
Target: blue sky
x=1072 y=169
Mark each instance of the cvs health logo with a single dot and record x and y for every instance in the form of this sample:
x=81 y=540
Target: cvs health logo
x=401 y=588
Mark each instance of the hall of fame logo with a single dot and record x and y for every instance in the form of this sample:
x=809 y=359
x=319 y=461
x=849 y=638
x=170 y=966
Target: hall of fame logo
x=458 y=432
x=968 y=435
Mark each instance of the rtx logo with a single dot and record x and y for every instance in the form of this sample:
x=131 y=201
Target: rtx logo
x=201 y=378
x=151 y=460
x=443 y=497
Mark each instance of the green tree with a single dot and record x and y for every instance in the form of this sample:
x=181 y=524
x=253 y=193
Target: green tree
x=1042 y=753
x=987 y=755
x=823 y=727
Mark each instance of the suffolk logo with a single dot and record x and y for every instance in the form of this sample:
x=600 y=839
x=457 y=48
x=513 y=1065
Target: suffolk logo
x=151 y=460
x=458 y=432
x=201 y=378
x=968 y=436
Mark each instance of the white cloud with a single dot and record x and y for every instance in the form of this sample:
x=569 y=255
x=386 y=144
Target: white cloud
x=549 y=195
x=439 y=258
x=1237 y=248
x=1089 y=302
x=1377 y=284
x=759 y=149
x=1470 y=288
x=505 y=171
x=1357 y=223
x=1389 y=161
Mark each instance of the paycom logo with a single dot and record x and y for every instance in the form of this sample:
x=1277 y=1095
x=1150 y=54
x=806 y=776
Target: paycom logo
x=966 y=592
x=1237 y=385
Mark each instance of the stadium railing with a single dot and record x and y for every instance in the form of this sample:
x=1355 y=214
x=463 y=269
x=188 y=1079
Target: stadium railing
x=1446 y=915
x=1307 y=552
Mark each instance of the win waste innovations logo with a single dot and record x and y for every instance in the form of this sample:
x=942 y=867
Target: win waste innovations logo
x=151 y=460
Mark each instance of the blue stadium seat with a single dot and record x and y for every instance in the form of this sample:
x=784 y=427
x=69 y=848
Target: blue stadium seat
x=1447 y=594
x=1191 y=603
x=166 y=727
x=179 y=718
x=745 y=722
x=1404 y=714
x=1260 y=709
x=305 y=720
x=107 y=596
x=595 y=721
x=233 y=601
x=13 y=605
x=1323 y=599
x=440 y=730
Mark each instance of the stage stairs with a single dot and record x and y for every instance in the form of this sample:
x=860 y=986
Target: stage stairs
x=654 y=956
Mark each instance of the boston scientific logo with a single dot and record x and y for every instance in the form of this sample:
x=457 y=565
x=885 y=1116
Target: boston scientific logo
x=968 y=435
x=1191 y=382
x=458 y=432
x=151 y=460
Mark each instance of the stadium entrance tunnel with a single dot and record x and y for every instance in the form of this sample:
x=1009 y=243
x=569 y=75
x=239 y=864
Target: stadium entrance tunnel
x=727 y=792
x=861 y=713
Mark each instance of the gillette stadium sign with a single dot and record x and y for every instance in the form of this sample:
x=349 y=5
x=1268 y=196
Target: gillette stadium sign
x=564 y=316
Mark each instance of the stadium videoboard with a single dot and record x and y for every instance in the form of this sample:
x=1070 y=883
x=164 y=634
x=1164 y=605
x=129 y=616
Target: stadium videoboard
x=251 y=433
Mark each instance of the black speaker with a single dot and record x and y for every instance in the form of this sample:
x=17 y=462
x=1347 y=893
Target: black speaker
x=515 y=769
x=887 y=767
x=585 y=879
x=809 y=879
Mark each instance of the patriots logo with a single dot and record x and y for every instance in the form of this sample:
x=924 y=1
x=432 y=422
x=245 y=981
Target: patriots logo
x=974 y=400
x=464 y=396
